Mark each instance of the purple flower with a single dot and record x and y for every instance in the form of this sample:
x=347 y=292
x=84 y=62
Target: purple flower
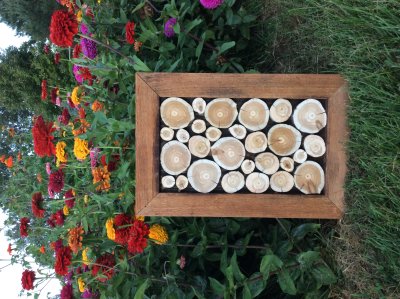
x=211 y=4
x=88 y=294
x=66 y=292
x=76 y=71
x=68 y=277
x=89 y=48
x=84 y=30
x=169 y=28
x=94 y=154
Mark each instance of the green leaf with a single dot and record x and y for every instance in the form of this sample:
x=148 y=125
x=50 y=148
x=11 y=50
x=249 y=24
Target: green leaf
x=142 y=288
x=286 y=282
x=123 y=17
x=270 y=262
x=307 y=259
x=302 y=230
x=216 y=286
x=256 y=284
x=229 y=277
x=139 y=65
x=236 y=270
x=323 y=274
x=189 y=26
x=246 y=292
x=226 y=46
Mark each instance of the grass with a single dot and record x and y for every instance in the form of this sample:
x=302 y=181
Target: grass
x=359 y=39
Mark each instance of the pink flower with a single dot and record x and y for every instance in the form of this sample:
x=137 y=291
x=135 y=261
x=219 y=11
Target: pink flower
x=48 y=168
x=211 y=4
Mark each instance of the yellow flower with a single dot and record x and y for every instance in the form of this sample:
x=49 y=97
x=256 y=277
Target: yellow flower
x=86 y=199
x=85 y=259
x=60 y=152
x=110 y=229
x=140 y=218
x=75 y=96
x=159 y=234
x=81 y=285
x=64 y=133
x=79 y=16
x=81 y=148
x=66 y=210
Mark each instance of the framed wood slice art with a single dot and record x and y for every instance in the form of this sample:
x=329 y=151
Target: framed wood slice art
x=240 y=145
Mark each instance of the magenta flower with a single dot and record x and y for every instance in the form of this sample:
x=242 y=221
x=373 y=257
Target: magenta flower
x=169 y=28
x=94 y=155
x=89 y=48
x=48 y=168
x=211 y=4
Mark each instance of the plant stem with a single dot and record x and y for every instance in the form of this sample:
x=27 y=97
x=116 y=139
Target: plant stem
x=221 y=246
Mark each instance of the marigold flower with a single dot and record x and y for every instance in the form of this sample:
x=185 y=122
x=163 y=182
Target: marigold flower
x=110 y=229
x=159 y=234
x=60 y=152
x=63 y=260
x=81 y=285
x=3 y=158
x=65 y=210
x=23 y=227
x=37 y=201
x=104 y=265
x=44 y=90
x=75 y=96
x=85 y=258
x=69 y=197
x=27 y=280
x=211 y=4
x=19 y=157
x=80 y=148
x=101 y=178
x=86 y=199
x=39 y=177
x=137 y=45
x=42 y=249
x=42 y=138
x=9 y=162
x=63 y=28
x=79 y=16
x=130 y=32
x=9 y=249
x=56 y=181
x=139 y=218
x=97 y=106
x=169 y=27
x=137 y=241
x=75 y=238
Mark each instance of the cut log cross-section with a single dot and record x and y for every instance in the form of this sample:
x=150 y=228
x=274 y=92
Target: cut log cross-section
x=254 y=114
x=175 y=157
x=213 y=134
x=199 y=105
x=176 y=113
x=283 y=139
x=310 y=116
x=256 y=142
x=314 y=146
x=221 y=112
x=309 y=178
x=267 y=163
x=204 y=175
x=257 y=182
x=198 y=126
x=182 y=182
x=228 y=152
x=232 y=182
x=182 y=135
x=166 y=134
x=199 y=146
x=282 y=181
x=281 y=110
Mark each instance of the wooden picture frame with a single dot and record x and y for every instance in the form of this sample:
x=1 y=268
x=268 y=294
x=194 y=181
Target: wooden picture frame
x=150 y=87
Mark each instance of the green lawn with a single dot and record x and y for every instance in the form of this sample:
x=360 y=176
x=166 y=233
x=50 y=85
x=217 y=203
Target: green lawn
x=359 y=39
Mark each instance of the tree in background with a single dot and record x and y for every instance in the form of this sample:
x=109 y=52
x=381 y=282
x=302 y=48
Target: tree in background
x=28 y=17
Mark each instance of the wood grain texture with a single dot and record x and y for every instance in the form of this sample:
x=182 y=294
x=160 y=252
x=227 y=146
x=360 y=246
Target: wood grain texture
x=293 y=86
x=151 y=86
x=147 y=115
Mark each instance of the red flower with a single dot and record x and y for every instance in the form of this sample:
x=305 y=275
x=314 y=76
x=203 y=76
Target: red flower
x=63 y=28
x=23 y=226
x=9 y=249
x=69 y=198
x=56 y=181
x=130 y=32
x=122 y=233
x=137 y=241
x=54 y=92
x=42 y=138
x=56 y=245
x=46 y=49
x=63 y=260
x=57 y=57
x=105 y=265
x=28 y=277
x=65 y=117
x=56 y=219
x=37 y=201
x=44 y=90
x=76 y=51
x=67 y=292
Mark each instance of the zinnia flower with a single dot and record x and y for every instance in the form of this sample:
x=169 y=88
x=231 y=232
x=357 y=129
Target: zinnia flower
x=75 y=238
x=56 y=181
x=94 y=154
x=54 y=94
x=122 y=224
x=169 y=28
x=75 y=98
x=76 y=51
x=101 y=178
x=44 y=90
x=97 y=106
x=104 y=265
x=63 y=28
x=88 y=294
x=159 y=234
x=110 y=228
x=56 y=219
x=84 y=30
x=69 y=197
x=211 y=4
x=80 y=148
x=182 y=262
x=28 y=277
x=130 y=32
x=137 y=241
x=42 y=138
x=60 y=152
x=23 y=226
x=46 y=49
x=89 y=48
x=65 y=117
x=63 y=260
x=82 y=74
x=57 y=57
x=37 y=201
x=9 y=162
x=67 y=292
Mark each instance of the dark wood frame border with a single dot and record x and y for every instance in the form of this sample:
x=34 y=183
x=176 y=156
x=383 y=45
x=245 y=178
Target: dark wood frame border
x=151 y=86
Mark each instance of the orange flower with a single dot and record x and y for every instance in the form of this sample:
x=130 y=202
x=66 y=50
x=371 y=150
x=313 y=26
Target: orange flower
x=11 y=132
x=39 y=177
x=75 y=238
x=2 y=158
x=42 y=249
x=82 y=129
x=19 y=157
x=101 y=176
x=9 y=162
x=97 y=106
x=82 y=113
